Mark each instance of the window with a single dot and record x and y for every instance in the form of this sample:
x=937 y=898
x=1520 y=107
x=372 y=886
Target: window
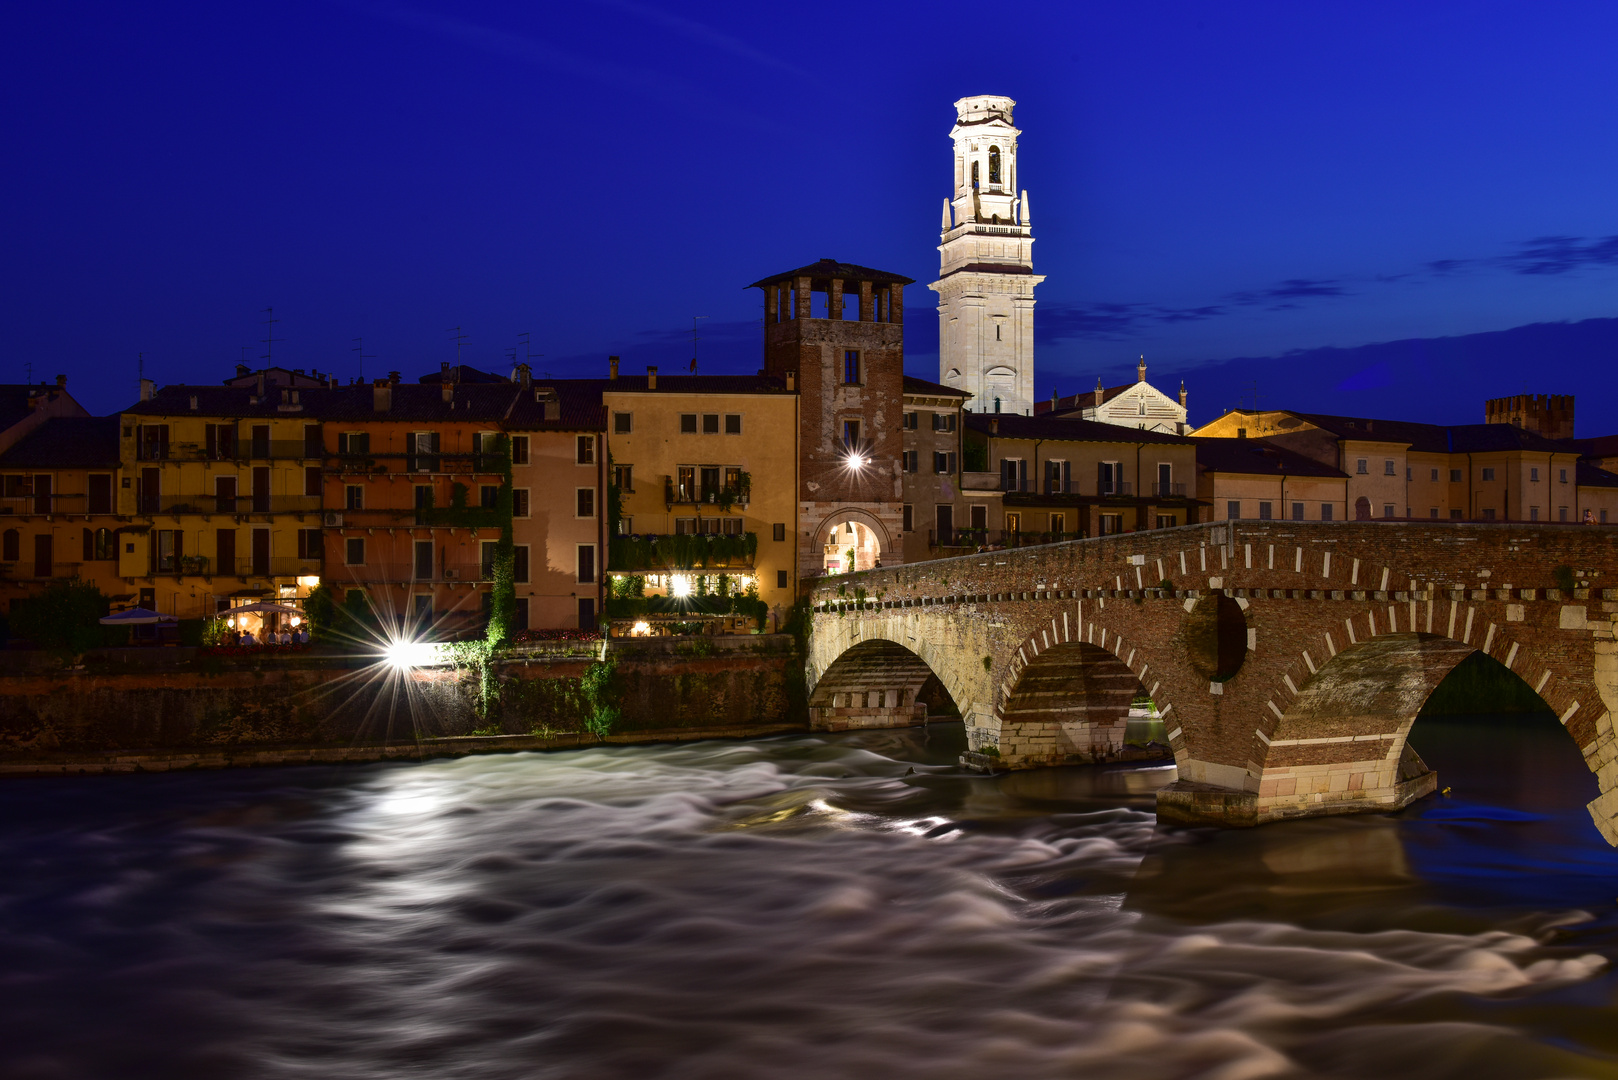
x=1488 y=474
x=1109 y=479
x=1455 y=476
x=1533 y=475
x=522 y=613
x=1435 y=474
x=354 y=551
x=1264 y=513
x=943 y=421
x=974 y=176
x=424 y=560
x=687 y=484
x=1165 y=478
x=1325 y=511
x=1360 y=467
x=587 y=613
x=623 y=477
x=353 y=443
x=519 y=563
x=18 y=487
x=1408 y=472
x=979 y=516
x=519 y=502
x=1142 y=408
x=1058 y=523
x=585 y=503
x=944 y=463
x=1488 y=515
x=311 y=480
x=1013 y=474
x=626 y=524
x=688 y=423
x=587 y=563
x=1563 y=477
x=909 y=520
x=309 y=544
x=1387 y=469
x=780 y=579
x=519 y=449
x=685 y=526
x=1387 y=510
x=733 y=423
x=424 y=497
x=997 y=331
x=1455 y=515
x=851 y=367
x=623 y=423
x=910 y=420
x=851 y=434
x=909 y=457
x=354 y=497
x=488 y=496
x=1013 y=523
x=710 y=423
x=1112 y=524
x=100 y=493
x=424 y=452
x=710 y=483
x=1233 y=509
x=1533 y=513
x=779 y=533
x=1433 y=513
x=1297 y=511
x=166 y=554
x=731 y=526
x=586 y=450
x=487 y=551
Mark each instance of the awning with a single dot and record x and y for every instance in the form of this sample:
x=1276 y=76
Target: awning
x=138 y=616
x=261 y=608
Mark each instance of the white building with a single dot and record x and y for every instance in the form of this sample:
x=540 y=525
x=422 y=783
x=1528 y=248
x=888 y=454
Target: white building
x=986 y=273
x=1138 y=405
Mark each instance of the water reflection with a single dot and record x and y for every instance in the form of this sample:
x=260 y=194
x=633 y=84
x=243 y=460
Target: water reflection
x=797 y=907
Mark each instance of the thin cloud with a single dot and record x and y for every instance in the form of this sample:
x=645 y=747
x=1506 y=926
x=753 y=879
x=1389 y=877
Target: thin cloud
x=504 y=43
x=705 y=34
x=1562 y=254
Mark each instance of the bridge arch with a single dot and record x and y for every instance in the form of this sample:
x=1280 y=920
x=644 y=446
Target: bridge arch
x=873 y=531
x=1069 y=706
x=877 y=683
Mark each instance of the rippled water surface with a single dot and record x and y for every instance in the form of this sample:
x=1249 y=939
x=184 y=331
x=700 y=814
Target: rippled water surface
x=828 y=906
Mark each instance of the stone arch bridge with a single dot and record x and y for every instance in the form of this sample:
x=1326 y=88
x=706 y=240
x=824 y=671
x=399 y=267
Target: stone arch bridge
x=1288 y=659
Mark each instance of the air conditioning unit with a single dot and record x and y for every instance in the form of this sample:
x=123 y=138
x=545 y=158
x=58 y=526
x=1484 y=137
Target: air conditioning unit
x=333 y=519
x=449 y=574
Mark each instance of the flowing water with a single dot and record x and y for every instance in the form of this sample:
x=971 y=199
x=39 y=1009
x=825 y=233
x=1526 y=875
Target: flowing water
x=806 y=906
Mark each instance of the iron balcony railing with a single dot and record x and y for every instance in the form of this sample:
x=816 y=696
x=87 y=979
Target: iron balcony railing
x=242 y=450
x=409 y=572
x=1071 y=487
x=979 y=538
x=240 y=566
x=483 y=464
x=182 y=505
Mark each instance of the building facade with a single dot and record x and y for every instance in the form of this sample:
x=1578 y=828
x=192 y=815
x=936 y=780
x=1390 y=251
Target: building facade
x=940 y=517
x=58 y=507
x=986 y=273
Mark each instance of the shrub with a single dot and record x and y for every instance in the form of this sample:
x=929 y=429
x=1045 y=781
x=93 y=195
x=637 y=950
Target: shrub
x=63 y=617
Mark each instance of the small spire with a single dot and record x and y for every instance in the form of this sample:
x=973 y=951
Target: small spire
x=1024 y=206
x=1140 y=369
x=946 y=225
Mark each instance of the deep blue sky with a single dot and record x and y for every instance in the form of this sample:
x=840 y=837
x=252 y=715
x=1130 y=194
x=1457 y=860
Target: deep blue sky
x=1207 y=181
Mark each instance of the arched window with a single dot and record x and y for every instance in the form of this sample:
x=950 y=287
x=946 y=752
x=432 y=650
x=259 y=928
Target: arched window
x=1362 y=509
x=11 y=546
x=974 y=176
x=994 y=164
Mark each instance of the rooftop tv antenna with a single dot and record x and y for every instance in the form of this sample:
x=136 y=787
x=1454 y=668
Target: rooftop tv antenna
x=694 y=339
x=269 y=335
x=28 y=373
x=525 y=339
x=459 y=337
x=359 y=349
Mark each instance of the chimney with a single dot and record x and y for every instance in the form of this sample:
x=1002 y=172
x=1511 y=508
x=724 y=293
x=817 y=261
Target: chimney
x=1140 y=370
x=1098 y=391
x=651 y=377
x=261 y=384
x=550 y=404
x=61 y=382
x=443 y=371
x=612 y=367
x=148 y=389
x=446 y=389
x=1182 y=393
x=193 y=403
x=792 y=382
x=994 y=426
x=382 y=396
x=525 y=375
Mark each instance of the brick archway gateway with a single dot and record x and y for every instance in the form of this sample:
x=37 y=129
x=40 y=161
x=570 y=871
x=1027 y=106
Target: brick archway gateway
x=885 y=545
x=1348 y=627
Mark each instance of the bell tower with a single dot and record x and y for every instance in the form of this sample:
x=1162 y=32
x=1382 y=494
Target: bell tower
x=986 y=273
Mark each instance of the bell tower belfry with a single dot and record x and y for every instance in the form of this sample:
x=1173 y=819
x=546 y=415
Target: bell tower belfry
x=986 y=273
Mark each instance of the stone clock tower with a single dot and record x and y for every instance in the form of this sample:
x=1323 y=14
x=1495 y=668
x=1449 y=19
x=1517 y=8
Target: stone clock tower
x=986 y=273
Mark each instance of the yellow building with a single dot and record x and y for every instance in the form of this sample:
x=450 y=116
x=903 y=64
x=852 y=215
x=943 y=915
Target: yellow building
x=1397 y=469
x=221 y=487
x=705 y=456
x=1252 y=478
x=58 y=507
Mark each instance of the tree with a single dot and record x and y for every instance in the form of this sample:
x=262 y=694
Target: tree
x=63 y=617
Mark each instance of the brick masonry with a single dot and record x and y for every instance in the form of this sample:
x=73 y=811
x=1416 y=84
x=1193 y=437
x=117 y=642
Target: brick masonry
x=1348 y=626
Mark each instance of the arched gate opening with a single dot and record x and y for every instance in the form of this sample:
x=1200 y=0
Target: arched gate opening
x=878 y=684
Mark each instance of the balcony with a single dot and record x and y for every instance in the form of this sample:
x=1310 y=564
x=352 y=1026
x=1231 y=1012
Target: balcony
x=405 y=573
x=207 y=566
x=249 y=450
x=189 y=505
x=1169 y=491
x=659 y=553
x=717 y=497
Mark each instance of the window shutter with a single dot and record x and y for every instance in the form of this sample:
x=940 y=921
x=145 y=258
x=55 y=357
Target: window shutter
x=89 y=546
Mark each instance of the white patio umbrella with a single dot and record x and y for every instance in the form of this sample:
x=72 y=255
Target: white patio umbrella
x=137 y=616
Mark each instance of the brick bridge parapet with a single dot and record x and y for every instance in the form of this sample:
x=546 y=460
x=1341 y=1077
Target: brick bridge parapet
x=1288 y=659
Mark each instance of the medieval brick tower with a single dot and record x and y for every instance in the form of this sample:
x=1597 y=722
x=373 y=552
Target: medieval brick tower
x=848 y=369
x=986 y=273
x=1550 y=415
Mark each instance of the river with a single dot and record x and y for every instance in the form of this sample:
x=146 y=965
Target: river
x=805 y=906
